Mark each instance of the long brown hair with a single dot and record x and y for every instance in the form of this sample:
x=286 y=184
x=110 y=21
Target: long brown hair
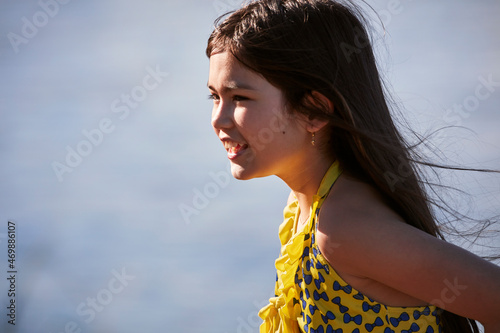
x=305 y=46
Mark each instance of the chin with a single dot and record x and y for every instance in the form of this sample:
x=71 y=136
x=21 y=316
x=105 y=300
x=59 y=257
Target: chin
x=244 y=173
x=241 y=173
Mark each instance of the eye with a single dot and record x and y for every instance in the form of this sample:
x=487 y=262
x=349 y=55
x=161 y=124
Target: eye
x=213 y=97
x=238 y=98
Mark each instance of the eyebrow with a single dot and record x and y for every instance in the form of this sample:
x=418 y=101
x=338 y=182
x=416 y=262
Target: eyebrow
x=233 y=85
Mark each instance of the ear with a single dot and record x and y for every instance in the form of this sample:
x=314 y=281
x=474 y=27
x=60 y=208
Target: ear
x=321 y=101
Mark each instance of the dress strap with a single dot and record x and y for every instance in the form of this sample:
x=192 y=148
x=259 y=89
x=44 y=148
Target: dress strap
x=324 y=189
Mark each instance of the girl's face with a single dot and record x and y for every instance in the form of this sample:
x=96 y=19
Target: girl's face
x=249 y=117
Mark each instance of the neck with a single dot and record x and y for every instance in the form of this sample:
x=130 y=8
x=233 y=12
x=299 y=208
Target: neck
x=305 y=182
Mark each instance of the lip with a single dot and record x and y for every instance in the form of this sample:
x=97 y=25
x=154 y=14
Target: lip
x=236 y=152
x=234 y=148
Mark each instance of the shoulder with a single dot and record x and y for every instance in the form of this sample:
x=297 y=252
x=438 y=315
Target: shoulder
x=354 y=206
x=355 y=224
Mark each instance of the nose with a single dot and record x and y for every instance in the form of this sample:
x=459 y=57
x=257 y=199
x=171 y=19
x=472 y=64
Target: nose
x=222 y=116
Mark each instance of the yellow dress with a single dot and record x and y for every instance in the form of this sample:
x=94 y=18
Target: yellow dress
x=311 y=297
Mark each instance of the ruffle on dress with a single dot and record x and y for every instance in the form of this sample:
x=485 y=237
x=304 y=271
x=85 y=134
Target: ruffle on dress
x=281 y=314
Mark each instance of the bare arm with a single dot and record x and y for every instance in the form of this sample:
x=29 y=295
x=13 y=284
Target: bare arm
x=373 y=242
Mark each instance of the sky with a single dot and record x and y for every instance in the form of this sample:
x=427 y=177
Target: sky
x=125 y=216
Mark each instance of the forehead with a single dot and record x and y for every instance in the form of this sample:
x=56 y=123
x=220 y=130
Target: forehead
x=226 y=72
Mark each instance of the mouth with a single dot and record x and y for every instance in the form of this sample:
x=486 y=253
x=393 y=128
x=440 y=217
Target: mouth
x=234 y=149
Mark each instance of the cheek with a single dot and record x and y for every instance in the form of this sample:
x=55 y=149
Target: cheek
x=274 y=137
x=263 y=124
x=247 y=121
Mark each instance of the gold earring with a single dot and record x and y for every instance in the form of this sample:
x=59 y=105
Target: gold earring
x=313 y=141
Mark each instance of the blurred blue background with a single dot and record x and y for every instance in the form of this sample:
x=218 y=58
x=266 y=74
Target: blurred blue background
x=144 y=230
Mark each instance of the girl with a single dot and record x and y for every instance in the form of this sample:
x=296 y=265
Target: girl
x=361 y=251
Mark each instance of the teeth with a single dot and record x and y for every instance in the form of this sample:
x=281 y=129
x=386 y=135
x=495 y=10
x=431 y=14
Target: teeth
x=234 y=150
x=232 y=145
